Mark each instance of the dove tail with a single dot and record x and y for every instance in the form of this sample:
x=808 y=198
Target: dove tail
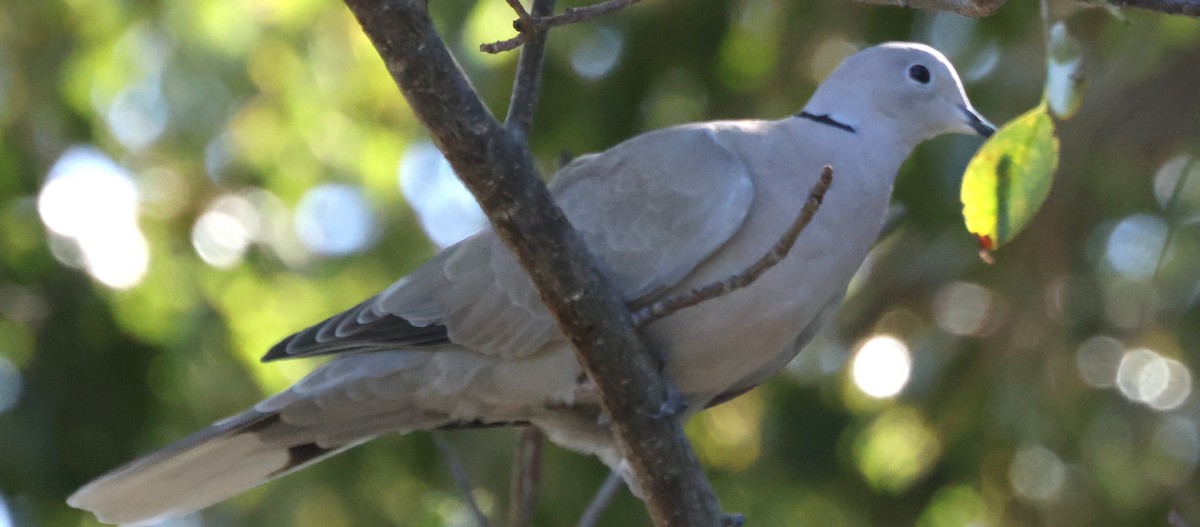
x=344 y=403
x=218 y=462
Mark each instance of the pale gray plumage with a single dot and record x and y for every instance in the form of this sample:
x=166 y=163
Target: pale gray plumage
x=464 y=340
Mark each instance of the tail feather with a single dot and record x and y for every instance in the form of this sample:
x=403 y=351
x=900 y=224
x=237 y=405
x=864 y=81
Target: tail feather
x=205 y=468
x=344 y=403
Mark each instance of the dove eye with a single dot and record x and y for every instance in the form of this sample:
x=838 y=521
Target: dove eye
x=919 y=73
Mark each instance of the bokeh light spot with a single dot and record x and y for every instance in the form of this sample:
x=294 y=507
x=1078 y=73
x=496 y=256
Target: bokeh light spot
x=138 y=116
x=119 y=260
x=962 y=309
x=91 y=201
x=881 y=366
x=26 y=305
x=447 y=210
x=449 y=510
x=1174 y=451
x=218 y=154
x=223 y=233
x=676 y=97
x=1098 y=359
x=488 y=22
x=1146 y=377
x=5 y=518
x=597 y=53
x=1177 y=188
x=896 y=449
x=10 y=385
x=1135 y=244
x=1037 y=474
x=335 y=220
x=728 y=435
x=957 y=506
x=86 y=192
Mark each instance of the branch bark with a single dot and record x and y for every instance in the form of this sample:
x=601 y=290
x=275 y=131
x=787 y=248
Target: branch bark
x=497 y=168
x=982 y=8
x=608 y=490
x=528 y=24
x=528 y=83
x=527 y=466
x=459 y=473
x=527 y=460
x=1188 y=8
x=971 y=8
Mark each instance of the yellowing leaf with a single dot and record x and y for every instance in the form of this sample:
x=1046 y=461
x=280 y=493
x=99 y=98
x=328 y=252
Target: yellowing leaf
x=1009 y=178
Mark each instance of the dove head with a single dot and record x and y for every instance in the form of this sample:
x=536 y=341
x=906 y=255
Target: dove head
x=909 y=89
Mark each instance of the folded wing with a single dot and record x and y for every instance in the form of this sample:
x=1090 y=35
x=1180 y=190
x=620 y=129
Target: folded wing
x=650 y=210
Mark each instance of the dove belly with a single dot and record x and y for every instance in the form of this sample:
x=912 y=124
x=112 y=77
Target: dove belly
x=733 y=342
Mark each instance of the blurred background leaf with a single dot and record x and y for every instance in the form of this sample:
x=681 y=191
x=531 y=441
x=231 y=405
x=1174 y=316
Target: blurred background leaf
x=184 y=183
x=1064 y=78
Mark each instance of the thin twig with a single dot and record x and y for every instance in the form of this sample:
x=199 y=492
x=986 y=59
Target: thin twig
x=527 y=25
x=574 y=15
x=520 y=9
x=460 y=476
x=1172 y=208
x=662 y=308
x=608 y=490
x=527 y=468
x=501 y=46
x=528 y=82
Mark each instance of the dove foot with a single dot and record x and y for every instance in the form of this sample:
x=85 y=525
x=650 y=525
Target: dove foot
x=674 y=406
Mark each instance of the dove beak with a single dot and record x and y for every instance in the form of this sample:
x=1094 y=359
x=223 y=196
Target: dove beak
x=977 y=123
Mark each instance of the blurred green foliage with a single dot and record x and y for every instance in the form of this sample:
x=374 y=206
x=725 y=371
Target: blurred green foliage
x=1053 y=388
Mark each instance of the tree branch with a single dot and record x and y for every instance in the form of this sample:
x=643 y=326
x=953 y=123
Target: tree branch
x=604 y=496
x=528 y=83
x=459 y=473
x=672 y=304
x=971 y=8
x=982 y=8
x=527 y=465
x=527 y=25
x=1188 y=8
x=498 y=170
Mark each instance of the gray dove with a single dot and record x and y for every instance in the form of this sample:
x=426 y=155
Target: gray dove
x=465 y=341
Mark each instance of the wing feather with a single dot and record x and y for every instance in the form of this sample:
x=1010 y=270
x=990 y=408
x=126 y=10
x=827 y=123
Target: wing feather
x=651 y=210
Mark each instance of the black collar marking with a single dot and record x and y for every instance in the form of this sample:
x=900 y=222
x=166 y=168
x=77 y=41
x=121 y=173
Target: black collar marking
x=826 y=120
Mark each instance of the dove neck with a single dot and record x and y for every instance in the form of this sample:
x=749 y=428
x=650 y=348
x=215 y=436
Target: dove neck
x=850 y=110
x=874 y=147
x=827 y=120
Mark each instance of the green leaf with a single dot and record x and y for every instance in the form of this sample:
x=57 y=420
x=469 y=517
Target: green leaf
x=1064 y=81
x=1009 y=178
